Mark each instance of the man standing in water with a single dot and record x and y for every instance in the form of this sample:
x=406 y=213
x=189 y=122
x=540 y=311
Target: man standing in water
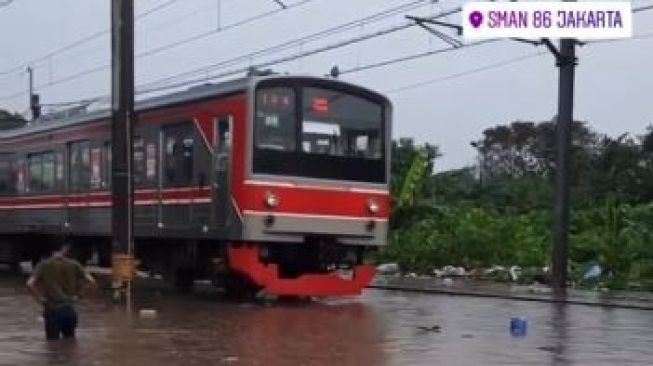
x=56 y=283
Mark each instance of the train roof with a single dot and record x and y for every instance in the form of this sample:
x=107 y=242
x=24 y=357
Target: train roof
x=75 y=116
x=81 y=115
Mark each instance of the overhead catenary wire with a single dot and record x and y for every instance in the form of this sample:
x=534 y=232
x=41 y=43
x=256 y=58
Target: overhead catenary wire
x=143 y=54
x=491 y=66
x=330 y=31
x=312 y=52
x=302 y=40
x=236 y=24
x=362 y=68
x=414 y=56
x=81 y=41
x=410 y=58
x=281 y=60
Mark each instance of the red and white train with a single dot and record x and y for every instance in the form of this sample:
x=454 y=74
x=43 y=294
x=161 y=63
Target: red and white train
x=276 y=182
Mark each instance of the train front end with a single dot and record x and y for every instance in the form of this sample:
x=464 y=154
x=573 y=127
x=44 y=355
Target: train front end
x=314 y=198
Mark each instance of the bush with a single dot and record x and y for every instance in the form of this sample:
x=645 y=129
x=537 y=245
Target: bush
x=617 y=237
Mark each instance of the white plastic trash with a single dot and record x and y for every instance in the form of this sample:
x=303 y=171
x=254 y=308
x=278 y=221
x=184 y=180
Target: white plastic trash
x=388 y=268
x=147 y=313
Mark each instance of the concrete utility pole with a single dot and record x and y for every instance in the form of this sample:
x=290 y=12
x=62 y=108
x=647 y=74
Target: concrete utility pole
x=566 y=61
x=122 y=111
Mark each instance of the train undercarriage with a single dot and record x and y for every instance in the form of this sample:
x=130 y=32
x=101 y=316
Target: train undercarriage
x=318 y=267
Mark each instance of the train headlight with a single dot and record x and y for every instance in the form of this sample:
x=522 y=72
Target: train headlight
x=272 y=200
x=373 y=206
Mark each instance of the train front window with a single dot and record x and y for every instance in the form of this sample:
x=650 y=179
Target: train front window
x=340 y=124
x=318 y=133
x=276 y=119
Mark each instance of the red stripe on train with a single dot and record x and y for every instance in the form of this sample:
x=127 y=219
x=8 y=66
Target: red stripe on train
x=305 y=200
x=183 y=195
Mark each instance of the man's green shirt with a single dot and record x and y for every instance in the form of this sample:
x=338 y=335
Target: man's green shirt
x=60 y=279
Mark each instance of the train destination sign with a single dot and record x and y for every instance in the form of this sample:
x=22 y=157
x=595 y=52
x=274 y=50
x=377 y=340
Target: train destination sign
x=543 y=19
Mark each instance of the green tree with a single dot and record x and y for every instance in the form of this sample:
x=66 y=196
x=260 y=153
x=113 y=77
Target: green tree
x=411 y=168
x=10 y=120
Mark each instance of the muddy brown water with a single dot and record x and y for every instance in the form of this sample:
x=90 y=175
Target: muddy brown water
x=378 y=328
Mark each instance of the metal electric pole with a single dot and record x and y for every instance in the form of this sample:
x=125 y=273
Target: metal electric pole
x=34 y=99
x=566 y=61
x=122 y=111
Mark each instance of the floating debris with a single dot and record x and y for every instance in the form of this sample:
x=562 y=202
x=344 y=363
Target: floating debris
x=593 y=273
x=515 y=273
x=388 y=268
x=518 y=326
x=434 y=328
x=539 y=290
x=147 y=313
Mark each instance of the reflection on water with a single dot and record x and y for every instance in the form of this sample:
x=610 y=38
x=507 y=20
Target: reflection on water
x=380 y=328
x=559 y=331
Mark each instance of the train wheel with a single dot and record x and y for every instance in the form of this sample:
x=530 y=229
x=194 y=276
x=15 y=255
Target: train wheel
x=184 y=278
x=238 y=287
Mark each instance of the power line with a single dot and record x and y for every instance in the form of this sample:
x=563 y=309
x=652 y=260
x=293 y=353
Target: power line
x=414 y=56
x=147 y=53
x=276 y=48
x=153 y=88
x=223 y=64
x=239 y=23
x=299 y=41
x=402 y=59
x=467 y=72
x=152 y=51
x=334 y=30
x=323 y=49
x=81 y=41
x=285 y=59
x=281 y=4
x=642 y=8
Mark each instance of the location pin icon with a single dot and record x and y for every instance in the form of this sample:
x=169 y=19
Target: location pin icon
x=476 y=18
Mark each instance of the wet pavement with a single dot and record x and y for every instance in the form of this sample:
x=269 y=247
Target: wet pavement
x=379 y=328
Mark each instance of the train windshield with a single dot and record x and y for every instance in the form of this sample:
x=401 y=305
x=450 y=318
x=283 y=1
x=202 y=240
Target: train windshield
x=319 y=133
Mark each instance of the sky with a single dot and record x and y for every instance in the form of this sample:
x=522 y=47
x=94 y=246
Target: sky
x=461 y=92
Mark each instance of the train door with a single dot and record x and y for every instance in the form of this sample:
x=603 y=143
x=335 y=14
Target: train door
x=222 y=169
x=178 y=176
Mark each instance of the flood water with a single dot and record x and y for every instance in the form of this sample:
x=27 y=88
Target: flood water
x=379 y=328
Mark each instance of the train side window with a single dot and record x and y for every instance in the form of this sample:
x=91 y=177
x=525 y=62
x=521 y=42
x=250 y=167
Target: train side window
x=107 y=164
x=80 y=167
x=179 y=145
x=47 y=172
x=41 y=172
x=21 y=186
x=59 y=170
x=151 y=163
x=96 y=168
x=34 y=163
x=7 y=184
x=139 y=161
x=223 y=151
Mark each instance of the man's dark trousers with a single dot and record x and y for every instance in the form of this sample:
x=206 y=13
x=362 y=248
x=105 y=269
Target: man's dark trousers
x=60 y=319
